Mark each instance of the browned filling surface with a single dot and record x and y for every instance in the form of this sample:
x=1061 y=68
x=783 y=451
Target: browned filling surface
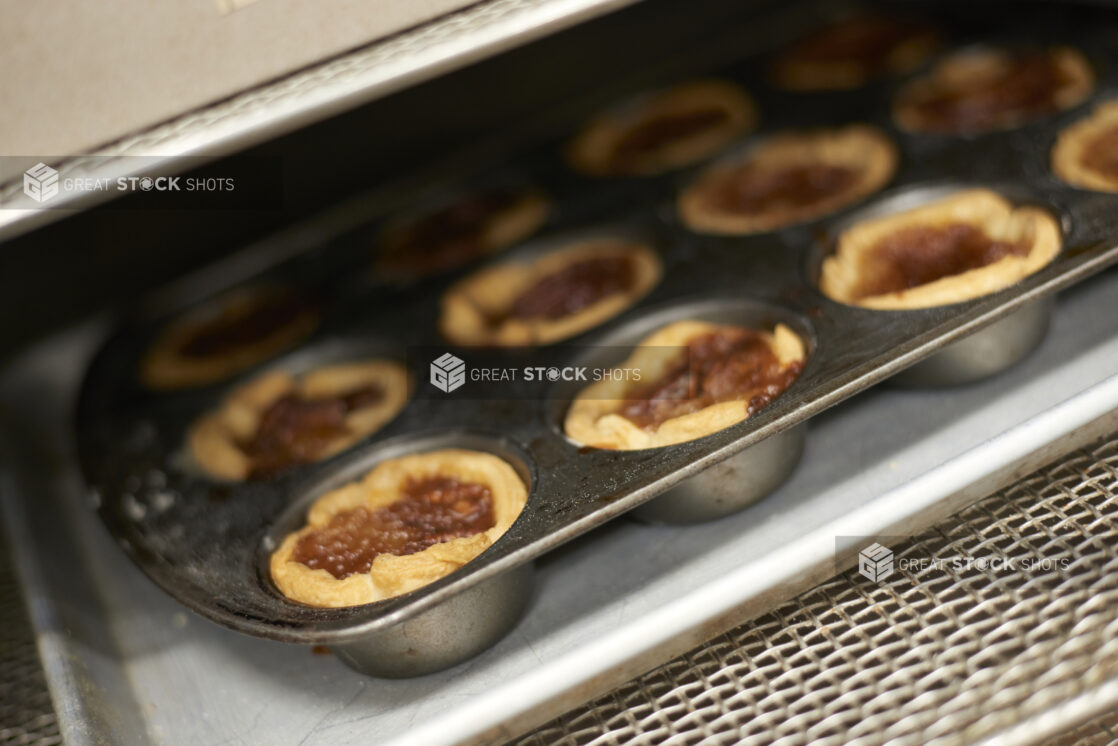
x=294 y=430
x=573 y=288
x=752 y=189
x=241 y=326
x=726 y=365
x=915 y=256
x=657 y=132
x=867 y=41
x=1101 y=154
x=1026 y=85
x=451 y=235
x=430 y=511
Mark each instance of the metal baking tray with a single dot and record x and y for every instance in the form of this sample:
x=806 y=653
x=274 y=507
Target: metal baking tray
x=204 y=542
x=128 y=665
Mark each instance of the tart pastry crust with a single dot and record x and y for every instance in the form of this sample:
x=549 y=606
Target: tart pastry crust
x=1086 y=153
x=970 y=75
x=852 y=52
x=459 y=230
x=171 y=363
x=217 y=439
x=1034 y=230
x=476 y=310
x=392 y=575
x=663 y=130
x=594 y=419
x=829 y=169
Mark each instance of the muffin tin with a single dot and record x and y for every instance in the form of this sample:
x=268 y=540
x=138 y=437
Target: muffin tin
x=207 y=543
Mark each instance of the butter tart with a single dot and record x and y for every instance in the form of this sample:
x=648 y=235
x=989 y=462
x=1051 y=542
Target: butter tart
x=789 y=178
x=225 y=336
x=460 y=230
x=664 y=130
x=550 y=297
x=985 y=90
x=853 y=52
x=278 y=420
x=407 y=523
x=696 y=378
x=964 y=246
x=1086 y=153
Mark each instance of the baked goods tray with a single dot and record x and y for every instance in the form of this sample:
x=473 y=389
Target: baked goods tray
x=129 y=436
x=126 y=664
x=207 y=543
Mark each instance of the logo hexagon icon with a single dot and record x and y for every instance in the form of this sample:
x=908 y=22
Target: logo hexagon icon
x=40 y=182
x=875 y=562
x=448 y=373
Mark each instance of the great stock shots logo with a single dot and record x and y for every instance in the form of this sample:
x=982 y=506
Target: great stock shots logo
x=40 y=182
x=136 y=182
x=922 y=557
x=448 y=373
x=875 y=562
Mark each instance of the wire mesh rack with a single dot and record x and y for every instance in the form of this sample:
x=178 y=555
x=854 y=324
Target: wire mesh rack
x=1000 y=625
x=26 y=715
